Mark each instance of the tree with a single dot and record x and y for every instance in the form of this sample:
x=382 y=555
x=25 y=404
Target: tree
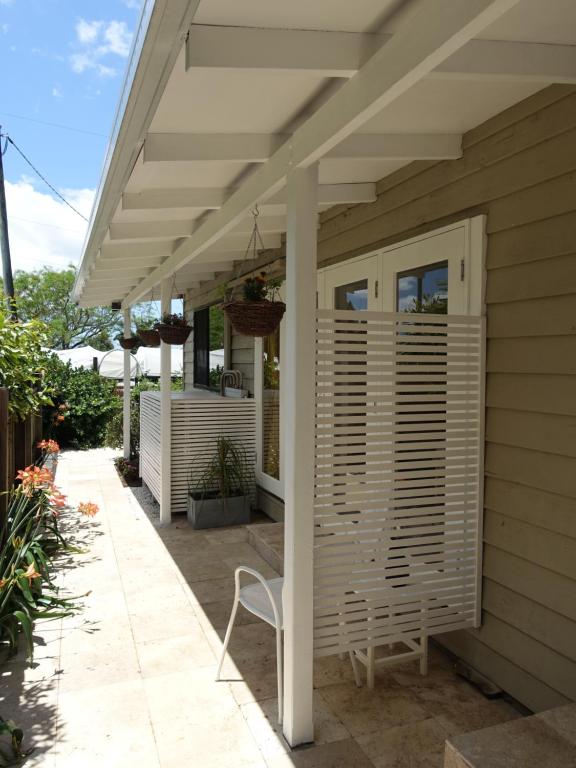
x=216 y=327
x=46 y=295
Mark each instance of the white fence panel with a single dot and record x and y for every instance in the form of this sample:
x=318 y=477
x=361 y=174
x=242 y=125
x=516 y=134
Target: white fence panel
x=398 y=491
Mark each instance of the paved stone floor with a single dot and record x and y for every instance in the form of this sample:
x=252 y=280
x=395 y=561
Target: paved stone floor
x=129 y=683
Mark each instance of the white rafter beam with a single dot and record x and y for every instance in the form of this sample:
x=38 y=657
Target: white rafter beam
x=432 y=33
x=328 y=54
x=147 y=230
x=507 y=60
x=136 y=250
x=342 y=54
x=257 y=148
x=212 y=199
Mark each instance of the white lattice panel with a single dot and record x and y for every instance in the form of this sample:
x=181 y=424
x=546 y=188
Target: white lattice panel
x=399 y=445
x=196 y=424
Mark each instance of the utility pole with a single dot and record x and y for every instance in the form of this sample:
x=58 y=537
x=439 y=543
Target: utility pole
x=5 y=243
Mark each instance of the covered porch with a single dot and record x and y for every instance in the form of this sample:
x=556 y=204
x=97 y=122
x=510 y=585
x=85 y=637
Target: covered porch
x=316 y=118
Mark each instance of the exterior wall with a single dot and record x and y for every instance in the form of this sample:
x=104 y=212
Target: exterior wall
x=189 y=346
x=519 y=169
x=242 y=358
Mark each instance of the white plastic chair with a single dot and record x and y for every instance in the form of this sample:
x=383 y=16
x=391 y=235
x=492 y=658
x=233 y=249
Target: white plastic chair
x=263 y=599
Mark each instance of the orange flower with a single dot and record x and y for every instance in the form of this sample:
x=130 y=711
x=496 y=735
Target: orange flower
x=59 y=418
x=88 y=508
x=3 y=583
x=50 y=446
x=34 y=477
x=31 y=573
x=57 y=498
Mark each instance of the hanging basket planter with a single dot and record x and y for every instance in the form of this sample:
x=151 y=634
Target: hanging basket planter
x=173 y=334
x=150 y=337
x=129 y=343
x=255 y=318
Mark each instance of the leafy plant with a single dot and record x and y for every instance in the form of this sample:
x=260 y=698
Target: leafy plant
x=22 y=362
x=177 y=320
x=82 y=406
x=224 y=474
x=261 y=288
x=15 y=737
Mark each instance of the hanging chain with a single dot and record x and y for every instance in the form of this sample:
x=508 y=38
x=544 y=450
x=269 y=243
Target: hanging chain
x=255 y=238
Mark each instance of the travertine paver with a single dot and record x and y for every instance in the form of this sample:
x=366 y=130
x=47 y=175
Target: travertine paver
x=130 y=682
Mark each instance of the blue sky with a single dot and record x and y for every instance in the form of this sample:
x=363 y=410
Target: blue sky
x=63 y=62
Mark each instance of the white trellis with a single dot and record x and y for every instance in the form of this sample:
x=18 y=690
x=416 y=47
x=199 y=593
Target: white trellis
x=399 y=446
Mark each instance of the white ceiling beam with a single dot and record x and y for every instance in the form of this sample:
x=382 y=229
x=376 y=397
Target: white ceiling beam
x=512 y=61
x=151 y=199
x=432 y=33
x=136 y=250
x=146 y=230
x=257 y=148
x=327 y=54
x=111 y=265
x=342 y=54
x=211 y=199
x=135 y=272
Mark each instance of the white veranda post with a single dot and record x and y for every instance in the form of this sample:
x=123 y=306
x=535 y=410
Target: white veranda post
x=298 y=382
x=165 y=409
x=126 y=388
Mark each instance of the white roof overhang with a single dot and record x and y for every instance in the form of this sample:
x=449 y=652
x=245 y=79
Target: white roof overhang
x=222 y=99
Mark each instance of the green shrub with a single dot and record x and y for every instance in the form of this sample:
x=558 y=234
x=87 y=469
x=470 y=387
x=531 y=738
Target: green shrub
x=83 y=404
x=21 y=364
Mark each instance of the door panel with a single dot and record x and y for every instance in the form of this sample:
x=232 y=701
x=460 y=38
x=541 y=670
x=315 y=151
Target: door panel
x=352 y=285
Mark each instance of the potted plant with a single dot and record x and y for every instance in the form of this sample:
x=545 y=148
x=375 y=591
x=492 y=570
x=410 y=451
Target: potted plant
x=173 y=329
x=147 y=333
x=218 y=487
x=130 y=342
x=259 y=312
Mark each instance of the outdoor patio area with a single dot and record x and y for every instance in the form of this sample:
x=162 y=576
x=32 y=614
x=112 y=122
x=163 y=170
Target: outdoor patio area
x=130 y=680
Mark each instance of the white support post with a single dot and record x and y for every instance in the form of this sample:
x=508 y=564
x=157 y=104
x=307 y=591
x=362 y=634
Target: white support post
x=126 y=388
x=165 y=409
x=298 y=389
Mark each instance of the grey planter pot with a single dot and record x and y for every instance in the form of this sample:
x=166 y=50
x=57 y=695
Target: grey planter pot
x=214 y=513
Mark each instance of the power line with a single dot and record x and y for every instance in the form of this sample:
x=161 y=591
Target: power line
x=54 y=125
x=44 y=179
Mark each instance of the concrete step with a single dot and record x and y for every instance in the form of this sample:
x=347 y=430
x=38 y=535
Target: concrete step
x=546 y=740
x=268 y=541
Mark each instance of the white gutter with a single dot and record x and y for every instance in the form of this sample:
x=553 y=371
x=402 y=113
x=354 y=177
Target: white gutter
x=162 y=29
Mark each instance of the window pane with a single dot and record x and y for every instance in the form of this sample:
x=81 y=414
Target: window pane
x=424 y=289
x=352 y=296
x=271 y=406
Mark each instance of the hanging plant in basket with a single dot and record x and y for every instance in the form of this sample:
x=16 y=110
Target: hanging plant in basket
x=130 y=342
x=173 y=329
x=149 y=337
x=259 y=312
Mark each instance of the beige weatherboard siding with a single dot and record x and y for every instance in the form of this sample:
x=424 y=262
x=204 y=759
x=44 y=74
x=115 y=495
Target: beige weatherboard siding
x=519 y=170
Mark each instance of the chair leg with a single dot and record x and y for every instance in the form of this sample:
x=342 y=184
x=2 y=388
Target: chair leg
x=424 y=657
x=354 y=662
x=370 y=667
x=227 y=636
x=279 y=668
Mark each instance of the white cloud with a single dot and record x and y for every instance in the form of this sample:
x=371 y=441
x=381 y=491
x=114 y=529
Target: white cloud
x=97 y=40
x=132 y=4
x=43 y=231
x=6 y=2
x=57 y=92
x=87 y=31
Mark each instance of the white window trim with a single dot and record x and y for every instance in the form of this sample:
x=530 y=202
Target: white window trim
x=265 y=481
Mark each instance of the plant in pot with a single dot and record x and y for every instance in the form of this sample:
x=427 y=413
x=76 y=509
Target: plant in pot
x=173 y=329
x=218 y=488
x=259 y=312
x=128 y=342
x=147 y=332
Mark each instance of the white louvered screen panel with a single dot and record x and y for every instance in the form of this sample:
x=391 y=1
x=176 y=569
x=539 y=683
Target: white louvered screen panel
x=399 y=446
x=150 y=464
x=196 y=426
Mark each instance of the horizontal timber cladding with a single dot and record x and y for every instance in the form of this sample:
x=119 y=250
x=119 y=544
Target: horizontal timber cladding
x=196 y=425
x=519 y=169
x=397 y=509
x=242 y=358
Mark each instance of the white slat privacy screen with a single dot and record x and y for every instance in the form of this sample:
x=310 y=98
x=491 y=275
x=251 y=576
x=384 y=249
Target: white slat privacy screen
x=399 y=447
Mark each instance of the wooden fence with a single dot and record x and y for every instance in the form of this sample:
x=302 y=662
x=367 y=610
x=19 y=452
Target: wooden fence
x=18 y=440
